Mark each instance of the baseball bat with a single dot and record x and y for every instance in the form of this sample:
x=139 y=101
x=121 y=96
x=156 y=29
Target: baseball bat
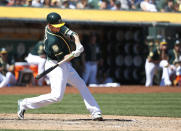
x=53 y=67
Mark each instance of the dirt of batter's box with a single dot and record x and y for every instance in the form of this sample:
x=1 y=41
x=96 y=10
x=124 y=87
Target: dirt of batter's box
x=84 y=122
x=121 y=89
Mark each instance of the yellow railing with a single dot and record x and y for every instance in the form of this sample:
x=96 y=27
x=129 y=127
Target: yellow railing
x=90 y=15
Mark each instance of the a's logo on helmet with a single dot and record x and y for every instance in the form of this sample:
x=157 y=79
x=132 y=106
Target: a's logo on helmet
x=59 y=21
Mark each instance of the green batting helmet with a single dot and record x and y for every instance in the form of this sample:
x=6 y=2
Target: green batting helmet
x=54 y=18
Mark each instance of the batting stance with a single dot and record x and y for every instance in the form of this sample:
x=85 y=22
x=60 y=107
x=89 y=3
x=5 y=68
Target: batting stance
x=57 y=48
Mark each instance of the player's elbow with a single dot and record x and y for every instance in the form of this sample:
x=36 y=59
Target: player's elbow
x=75 y=36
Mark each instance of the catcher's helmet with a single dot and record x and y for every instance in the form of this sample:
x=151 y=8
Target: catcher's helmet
x=54 y=19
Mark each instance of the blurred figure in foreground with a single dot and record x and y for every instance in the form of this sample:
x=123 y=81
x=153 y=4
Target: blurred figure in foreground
x=37 y=56
x=7 y=77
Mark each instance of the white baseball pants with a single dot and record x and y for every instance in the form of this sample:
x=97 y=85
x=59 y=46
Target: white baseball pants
x=150 y=68
x=8 y=79
x=58 y=80
x=33 y=59
x=90 y=73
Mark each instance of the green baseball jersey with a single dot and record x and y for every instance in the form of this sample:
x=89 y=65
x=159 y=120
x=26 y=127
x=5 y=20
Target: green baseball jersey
x=154 y=54
x=56 y=44
x=172 y=55
x=4 y=65
x=38 y=49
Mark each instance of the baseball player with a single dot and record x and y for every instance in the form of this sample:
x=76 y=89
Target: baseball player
x=57 y=48
x=174 y=53
x=6 y=70
x=37 y=56
x=91 y=60
x=177 y=63
x=157 y=59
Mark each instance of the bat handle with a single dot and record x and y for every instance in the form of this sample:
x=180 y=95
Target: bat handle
x=38 y=76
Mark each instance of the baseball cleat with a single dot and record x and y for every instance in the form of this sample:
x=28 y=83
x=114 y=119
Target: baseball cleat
x=21 y=111
x=97 y=117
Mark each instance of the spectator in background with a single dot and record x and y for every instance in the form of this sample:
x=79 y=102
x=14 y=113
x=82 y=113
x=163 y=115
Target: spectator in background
x=37 y=3
x=91 y=60
x=28 y=3
x=170 y=6
x=124 y=4
x=160 y=4
x=65 y=4
x=118 y=5
x=47 y=3
x=68 y=4
x=113 y=4
x=55 y=3
x=18 y=3
x=7 y=77
x=178 y=5
x=3 y=2
x=11 y=3
x=94 y=4
x=132 y=4
x=82 y=4
x=104 y=5
x=146 y=5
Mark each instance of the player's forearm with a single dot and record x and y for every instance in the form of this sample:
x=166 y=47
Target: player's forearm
x=77 y=40
x=69 y=57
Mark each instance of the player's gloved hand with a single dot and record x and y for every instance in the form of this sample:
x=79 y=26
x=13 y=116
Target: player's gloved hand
x=76 y=53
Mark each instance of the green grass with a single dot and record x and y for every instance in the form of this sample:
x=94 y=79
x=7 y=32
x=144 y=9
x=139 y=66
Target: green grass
x=153 y=104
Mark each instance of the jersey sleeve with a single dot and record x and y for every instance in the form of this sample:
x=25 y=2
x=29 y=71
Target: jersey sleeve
x=67 y=32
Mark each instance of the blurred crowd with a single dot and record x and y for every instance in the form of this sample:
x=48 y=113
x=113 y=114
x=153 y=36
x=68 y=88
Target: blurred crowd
x=141 y=5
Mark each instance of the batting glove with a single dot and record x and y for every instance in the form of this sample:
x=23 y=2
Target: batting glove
x=76 y=53
x=80 y=48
